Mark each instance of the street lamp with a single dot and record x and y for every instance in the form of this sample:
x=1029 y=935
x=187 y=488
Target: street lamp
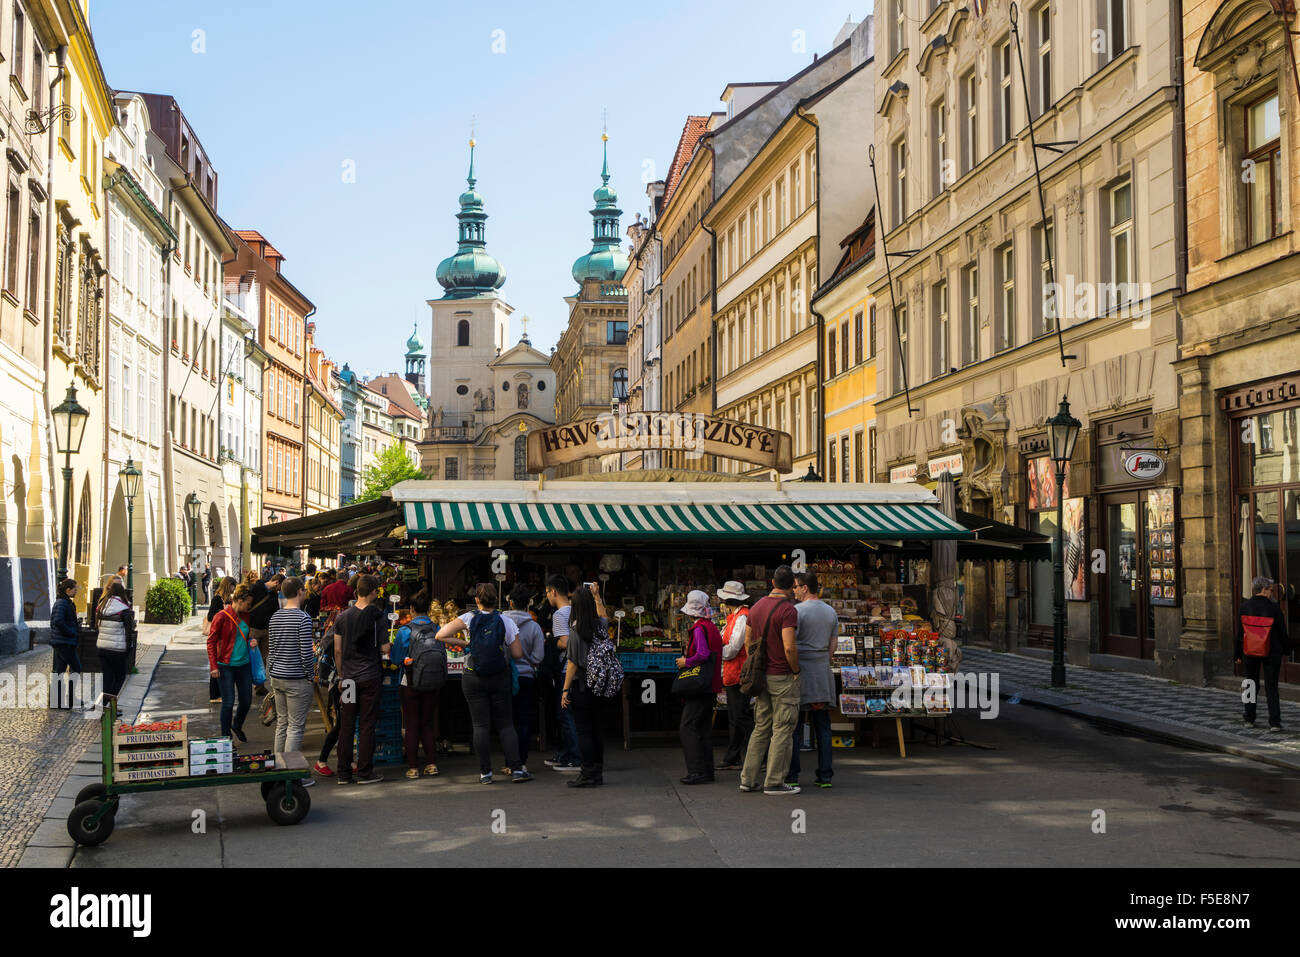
x=69 y=428
x=192 y=506
x=1063 y=432
x=131 y=488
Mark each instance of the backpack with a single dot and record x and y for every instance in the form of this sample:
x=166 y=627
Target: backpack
x=753 y=673
x=604 y=670
x=487 y=644
x=428 y=668
x=1254 y=639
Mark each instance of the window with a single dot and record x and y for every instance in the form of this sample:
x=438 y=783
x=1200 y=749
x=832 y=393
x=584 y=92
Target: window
x=832 y=473
x=831 y=353
x=33 y=259
x=941 y=339
x=1046 y=321
x=871 y=330
x=1002 y=104
x=896 y=35
x=19 y=41
x=970 y=129
x=970 y=333
x=620 y=383
x=1006 y=279
x=767 y=217
x=939 y=173
x=113 y=359
x=796 y=191
x=14 y=224
x=127 y=383
x=857 y=337
x=859 y=458
x=1116 y=19
x=1263 y=169
x=810 y=157
x=780 y=204
x=462 y=333
x=844 y=458
x=900 y=368
x=844 y=346
x=451 y=469
x=871 y=455
x=616 y=333
x=38 y=76
x=899 y=158
x=1043 y=62
x=1121 y=241
x=742 y=251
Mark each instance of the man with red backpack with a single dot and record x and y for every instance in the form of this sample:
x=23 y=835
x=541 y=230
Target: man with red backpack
x=1260 y=642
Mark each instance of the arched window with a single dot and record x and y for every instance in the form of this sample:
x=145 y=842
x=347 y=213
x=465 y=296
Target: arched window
x=620 y=383
x=521 y=395
x=462 y=332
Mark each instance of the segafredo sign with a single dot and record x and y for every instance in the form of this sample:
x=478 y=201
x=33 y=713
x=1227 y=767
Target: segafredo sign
x=1143 y=465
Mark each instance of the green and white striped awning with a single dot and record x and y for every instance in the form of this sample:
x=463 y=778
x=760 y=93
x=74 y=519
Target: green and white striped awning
x=698 y=521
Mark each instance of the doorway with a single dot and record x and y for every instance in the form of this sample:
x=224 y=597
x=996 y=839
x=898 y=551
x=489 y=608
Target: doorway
x=1128 y=626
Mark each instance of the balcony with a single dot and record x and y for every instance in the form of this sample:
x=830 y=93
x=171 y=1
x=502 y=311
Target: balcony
x=450 y=433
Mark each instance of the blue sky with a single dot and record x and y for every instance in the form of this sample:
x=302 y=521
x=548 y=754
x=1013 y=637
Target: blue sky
x=286 y=92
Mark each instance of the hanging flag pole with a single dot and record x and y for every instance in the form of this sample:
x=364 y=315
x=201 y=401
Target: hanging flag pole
x=1035 y=146
x=898 y=338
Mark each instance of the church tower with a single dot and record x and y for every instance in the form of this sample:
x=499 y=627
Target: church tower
x=471 y=322
x=415 y=360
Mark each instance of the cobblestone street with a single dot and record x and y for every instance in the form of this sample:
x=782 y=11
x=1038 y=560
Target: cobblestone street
x=38 y=747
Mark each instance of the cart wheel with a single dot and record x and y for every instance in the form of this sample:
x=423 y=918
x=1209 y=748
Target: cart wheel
x=84 y=829
x=289 y=810
x=268 y=787
x=96 y=790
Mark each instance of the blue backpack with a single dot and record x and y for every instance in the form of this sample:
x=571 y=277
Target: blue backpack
x=487 y=644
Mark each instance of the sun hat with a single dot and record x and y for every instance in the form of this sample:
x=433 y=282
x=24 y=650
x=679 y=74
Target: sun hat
x=697 y=604
x=734 y=591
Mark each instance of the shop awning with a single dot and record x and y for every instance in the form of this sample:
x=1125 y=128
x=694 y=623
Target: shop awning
x=998 y=541
x=348 y=529
x=658 y=511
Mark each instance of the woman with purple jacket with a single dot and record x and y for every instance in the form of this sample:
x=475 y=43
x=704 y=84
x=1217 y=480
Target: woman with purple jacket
x=703 y=644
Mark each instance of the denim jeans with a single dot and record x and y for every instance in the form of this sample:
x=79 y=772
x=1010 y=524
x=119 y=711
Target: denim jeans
x=525 y=711
x=239 y=677
x=821 y=727
x=569 y=751
x=293 y=699
x=489 y=701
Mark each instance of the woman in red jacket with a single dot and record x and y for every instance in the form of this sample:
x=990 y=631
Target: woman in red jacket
x=228 y=660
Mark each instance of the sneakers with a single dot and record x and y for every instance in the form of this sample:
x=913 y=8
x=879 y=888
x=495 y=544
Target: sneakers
x=520 y=775
x=485 y=778
x=412 y=773
x=372 y=778
x=214 y=701
x=343 y=780
x=1275 y=728
x=430 y=770
x=555 y=762
x=323 y=769
x=567 y=768
x=307 y=782
x=1248 y=723
x=582 y=781
x=782 y=789
x=749 y=788
x=239 y=735
x=823 y=784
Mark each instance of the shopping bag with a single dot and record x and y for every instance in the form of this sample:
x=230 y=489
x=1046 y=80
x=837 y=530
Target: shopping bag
x=255 y=662
x=698 y=679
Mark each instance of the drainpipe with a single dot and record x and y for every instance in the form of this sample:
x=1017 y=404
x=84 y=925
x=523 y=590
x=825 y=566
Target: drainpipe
x=821 y=321
x=51 y=244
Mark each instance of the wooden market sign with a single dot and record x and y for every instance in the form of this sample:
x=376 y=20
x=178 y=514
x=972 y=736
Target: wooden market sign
x=689 y=432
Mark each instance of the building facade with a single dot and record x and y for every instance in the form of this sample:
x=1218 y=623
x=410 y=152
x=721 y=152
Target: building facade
x=1239 y=363
x=322 y=430
x=140 y=241
x=76 y=212
x=282 y=334
x=351 y=401
x=685 y=320
x=590 y=360
x=983 y=346
x=240 y=405
x=27 y=495
x=193 y=303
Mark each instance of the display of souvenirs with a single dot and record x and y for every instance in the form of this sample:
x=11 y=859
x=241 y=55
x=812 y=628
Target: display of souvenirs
x=853 y=705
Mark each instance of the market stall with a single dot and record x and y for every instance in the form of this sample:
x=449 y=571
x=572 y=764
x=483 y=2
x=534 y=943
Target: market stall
x=649 y=543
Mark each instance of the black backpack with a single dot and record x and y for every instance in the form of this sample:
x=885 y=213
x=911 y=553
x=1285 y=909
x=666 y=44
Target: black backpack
x=428 y=668
x=487 y=644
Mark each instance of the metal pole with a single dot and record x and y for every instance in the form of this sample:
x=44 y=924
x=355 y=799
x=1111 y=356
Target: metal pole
x=193 y=576
x=130 y=551
x=67 y=516
x=1058 y=587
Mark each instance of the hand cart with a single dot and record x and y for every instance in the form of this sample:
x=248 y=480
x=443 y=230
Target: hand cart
x=92 y=817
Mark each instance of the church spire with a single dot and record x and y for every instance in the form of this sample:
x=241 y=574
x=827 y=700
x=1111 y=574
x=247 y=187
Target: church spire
x=471 y=271
x=606 y=261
